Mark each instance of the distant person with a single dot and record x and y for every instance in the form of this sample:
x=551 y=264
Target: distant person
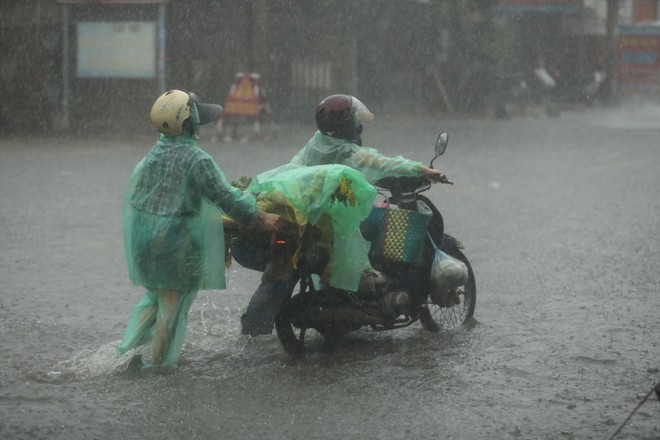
x=173 y=229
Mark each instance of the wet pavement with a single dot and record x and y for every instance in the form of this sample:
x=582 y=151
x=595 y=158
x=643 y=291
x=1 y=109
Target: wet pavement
x=560 y=218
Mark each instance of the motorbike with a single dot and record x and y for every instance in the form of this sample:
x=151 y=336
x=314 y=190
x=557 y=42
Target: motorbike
x=518 y=93
x=398 y=293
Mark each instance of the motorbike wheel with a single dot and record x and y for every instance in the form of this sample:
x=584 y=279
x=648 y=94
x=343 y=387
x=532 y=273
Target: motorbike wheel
x=434 y=317
x=291 y=337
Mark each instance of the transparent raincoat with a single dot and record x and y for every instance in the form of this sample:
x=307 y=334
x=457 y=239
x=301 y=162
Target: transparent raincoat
x=174 y=238
x=323 y=149
x=173 y=230
x=317 y=194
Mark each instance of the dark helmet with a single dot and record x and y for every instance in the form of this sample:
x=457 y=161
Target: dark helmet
x=173 y=108
x=341 y=116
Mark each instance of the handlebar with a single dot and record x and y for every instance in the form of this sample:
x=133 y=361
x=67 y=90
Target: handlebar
x=442 y=178
x=397 y=185
x=402 y=184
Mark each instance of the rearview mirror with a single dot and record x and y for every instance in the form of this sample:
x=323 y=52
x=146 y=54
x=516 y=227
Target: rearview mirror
x=441 y=144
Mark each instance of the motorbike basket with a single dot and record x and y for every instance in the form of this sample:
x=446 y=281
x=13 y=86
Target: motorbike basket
x=399 y=234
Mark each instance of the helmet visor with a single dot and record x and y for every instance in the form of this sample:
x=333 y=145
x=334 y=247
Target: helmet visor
x=362 y=113
x=207 y=112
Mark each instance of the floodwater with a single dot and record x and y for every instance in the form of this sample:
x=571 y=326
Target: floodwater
x=561 y=221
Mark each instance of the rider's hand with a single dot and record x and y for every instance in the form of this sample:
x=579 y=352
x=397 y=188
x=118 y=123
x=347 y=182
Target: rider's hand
x=433 y=175
x=270 y=222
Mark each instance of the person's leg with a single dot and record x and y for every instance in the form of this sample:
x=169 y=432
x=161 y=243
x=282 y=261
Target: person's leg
x=141 y=323
x=178 y=334
x=171 y=326
x=167 y=302
x=264 y=305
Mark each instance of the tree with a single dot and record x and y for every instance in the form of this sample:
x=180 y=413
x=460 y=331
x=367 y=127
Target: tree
x=479 y=52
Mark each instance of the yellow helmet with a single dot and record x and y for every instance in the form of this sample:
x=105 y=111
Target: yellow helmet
x=172 y=108
x=169 y=111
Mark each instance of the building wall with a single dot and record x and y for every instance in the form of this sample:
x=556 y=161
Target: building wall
x=303 y=50
x=30 y=47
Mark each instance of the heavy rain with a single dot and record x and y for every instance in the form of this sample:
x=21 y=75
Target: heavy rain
x=552 y=110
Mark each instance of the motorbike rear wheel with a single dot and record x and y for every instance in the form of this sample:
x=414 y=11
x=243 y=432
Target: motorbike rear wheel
x=435 y=317
x=291 y=337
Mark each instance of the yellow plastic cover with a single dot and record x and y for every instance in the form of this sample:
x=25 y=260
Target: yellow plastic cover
x=339 y=192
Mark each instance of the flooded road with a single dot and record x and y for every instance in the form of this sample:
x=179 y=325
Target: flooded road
x=560 y=219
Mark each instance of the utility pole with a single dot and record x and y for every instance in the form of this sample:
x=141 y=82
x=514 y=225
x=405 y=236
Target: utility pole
x=611 y=49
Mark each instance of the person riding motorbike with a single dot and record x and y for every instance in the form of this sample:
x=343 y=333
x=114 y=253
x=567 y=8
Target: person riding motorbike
x=338 y=140
x=339 y=120
x=173 y=230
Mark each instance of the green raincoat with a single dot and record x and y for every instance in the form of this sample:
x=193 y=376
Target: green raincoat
x=173 y=230
x=323 y=149
x=173 y=234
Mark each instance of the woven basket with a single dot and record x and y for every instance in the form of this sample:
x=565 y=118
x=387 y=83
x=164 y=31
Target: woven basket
x=400 y=234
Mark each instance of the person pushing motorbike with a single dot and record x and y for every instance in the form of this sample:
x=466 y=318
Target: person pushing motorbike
x=173 y=230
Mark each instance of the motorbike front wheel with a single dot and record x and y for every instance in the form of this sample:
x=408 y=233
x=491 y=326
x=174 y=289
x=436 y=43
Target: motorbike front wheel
x=434 y=317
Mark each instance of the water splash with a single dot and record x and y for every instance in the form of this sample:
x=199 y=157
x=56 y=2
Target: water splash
x=91 y=363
